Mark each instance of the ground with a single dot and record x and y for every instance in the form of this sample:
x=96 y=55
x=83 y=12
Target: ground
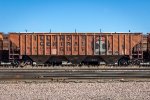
x=74 y=91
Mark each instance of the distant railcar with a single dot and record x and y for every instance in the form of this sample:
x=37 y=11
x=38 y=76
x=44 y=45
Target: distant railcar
x=148 y=46
x=1 y=46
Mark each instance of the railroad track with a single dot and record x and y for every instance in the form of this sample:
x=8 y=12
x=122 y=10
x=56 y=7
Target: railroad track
x=82 y=74
x=76 y=68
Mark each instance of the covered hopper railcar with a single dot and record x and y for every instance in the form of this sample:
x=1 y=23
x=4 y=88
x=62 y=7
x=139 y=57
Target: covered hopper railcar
x=1 y=46
x=76 y=48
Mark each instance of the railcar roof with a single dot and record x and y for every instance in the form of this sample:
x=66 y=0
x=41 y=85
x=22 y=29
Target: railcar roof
x=75 y=33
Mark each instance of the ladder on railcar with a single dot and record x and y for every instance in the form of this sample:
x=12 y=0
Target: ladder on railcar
x=139 y=49
x=5 y=52
x=13 y=52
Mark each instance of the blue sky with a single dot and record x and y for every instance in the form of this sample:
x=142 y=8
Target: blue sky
x=68 y=15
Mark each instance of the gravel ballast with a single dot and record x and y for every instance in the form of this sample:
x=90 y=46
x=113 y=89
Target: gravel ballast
x=75 y=91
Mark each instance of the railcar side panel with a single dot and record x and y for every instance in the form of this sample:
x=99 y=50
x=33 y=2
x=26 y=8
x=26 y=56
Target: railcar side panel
x=14 y=39
x=75 y=44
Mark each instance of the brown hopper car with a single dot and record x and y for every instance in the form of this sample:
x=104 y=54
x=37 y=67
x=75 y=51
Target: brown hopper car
x=1 y=45
x=148 y=44
x=76 y=48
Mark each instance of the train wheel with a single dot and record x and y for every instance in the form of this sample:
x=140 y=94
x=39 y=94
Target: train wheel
x=15 y=63
x=22 y=64
x=28 y=62
x=123 y=62
x=25 y=63
x=137 y=62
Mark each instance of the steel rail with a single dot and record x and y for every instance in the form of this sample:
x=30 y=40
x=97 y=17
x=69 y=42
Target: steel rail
x=73 y=74
x=72 y=68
